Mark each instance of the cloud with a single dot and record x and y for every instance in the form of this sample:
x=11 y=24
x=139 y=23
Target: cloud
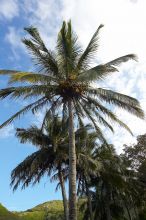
x=13 y=37
x=134 y=1
x=7 y=131
x=9 y=9
x=41 y=14
x=46 y=16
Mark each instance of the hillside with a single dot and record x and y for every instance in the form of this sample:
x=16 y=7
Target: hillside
x=6 y=215
x=52 y=210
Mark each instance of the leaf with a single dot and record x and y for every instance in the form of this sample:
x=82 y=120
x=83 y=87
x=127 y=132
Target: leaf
x=90 y=51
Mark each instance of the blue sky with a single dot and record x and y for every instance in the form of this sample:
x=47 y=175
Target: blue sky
x=124 y=32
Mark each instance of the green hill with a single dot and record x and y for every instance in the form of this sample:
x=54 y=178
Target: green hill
x=6 y=215
x=52 y=210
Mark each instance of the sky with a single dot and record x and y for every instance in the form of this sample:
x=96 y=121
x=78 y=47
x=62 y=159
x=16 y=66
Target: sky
x=124 y=32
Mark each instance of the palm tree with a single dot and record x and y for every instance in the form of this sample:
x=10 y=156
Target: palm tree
x=87 y=166
x=63 y=83
x=50 y=159
x=54 y=162
x=115 y=187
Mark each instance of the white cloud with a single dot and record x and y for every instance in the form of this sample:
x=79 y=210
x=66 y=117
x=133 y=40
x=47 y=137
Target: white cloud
x=134 y=1
x=13 y=37
x=7 y=131
x=9 y=9
x=45 y=15
x=42 y=14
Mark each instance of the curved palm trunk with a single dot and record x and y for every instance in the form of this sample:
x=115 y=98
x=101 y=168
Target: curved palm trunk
x=65 y=202
x=72 y=166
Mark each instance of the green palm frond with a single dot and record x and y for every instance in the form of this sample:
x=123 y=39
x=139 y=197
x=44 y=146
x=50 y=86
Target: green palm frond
x=43 y=58
x=103 y=121
x=34 y=136
x=32 y=169
x=9 y=72
x=122 y=59
x=68 y=49
x=20 y=113
x=96 y=113
x=98 y=130
x=51 y=111
x=27 y=91
x=31 y=78
x=46 y=63
x=100 y=72
x=36 y=38
x=105 y=111
x=89 y=52
x=115 y=95
x=123 y=101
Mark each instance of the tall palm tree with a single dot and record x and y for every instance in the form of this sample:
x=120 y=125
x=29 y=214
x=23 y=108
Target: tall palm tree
x=63 y=83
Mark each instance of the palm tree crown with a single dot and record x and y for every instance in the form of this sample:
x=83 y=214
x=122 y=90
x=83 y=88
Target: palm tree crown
x=67 y=74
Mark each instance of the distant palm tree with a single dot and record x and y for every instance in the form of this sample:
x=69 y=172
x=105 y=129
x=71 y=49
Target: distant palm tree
x=54 y=160
x=87 y=165
x=114 y=187
x=51 y=157
x=63 y=83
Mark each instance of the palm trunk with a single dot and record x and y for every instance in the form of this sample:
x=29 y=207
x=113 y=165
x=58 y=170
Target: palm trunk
x=107 y=205
x=72 y=166
x=89 y=201
x=65 y=202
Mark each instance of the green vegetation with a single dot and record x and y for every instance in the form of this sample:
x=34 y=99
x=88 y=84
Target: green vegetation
x=6 y=215
x=49 y=210
x=52 y=210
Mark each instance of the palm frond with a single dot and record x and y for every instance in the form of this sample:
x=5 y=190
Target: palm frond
x=19 y=113
x=51 y=111
x=105 y=111
x=36 y=38
x=32 y=168
x=89 y=52
x=39 y=106
x=68 y=49
x=98 y=130
x=100 y=72
x=9 y=72
x=34 y=136
x=27 y=91
x=121 y=60
x=123 y=101
x=43 y=57
x=31 y=78
x=96 y=113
